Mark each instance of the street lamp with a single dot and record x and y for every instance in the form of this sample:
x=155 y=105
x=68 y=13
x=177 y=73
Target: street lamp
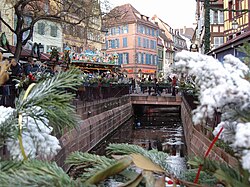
x=235 y=25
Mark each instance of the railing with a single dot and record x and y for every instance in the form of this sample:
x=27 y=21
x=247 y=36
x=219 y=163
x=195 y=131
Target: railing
x=90 y=92
x=86 y=92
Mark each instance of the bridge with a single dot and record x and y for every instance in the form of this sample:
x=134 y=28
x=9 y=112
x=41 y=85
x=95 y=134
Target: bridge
x=164 y=99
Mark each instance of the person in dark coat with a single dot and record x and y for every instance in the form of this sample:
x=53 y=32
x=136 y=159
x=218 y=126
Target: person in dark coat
x=9 y=89
x=156 y=87
x=149 y=88
x=16 y=70
x=28 y=67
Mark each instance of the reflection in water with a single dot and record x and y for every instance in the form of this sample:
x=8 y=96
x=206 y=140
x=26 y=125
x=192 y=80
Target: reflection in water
x=152 y=127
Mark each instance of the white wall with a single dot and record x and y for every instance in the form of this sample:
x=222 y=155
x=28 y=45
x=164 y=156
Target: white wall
x=47 y=40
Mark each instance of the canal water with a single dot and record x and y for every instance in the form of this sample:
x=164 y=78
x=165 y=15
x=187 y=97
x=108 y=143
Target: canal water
x=152 y=127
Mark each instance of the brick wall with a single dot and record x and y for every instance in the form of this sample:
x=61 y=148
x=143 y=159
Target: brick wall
x=197 y=143
x=92 y=130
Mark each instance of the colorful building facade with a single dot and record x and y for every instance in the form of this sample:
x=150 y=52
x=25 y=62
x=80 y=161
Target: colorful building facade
x=133 y=37
x=236 y=28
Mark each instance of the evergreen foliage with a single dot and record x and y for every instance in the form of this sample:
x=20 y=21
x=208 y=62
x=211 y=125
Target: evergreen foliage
x=34 y=173
x=47 y=104
x=207 y=26
x=221 y=171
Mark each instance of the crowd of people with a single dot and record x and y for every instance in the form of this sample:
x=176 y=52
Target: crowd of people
x=153 y=85
x=12 y=72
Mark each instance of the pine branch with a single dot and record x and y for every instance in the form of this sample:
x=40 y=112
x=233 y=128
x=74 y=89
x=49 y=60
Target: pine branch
x=157 y=157
x=78 y=158
x=37 y=173
x=7 y=166
x=90 y=163
x=225 y=174
x=124 y=149
x=205 y=178
x=51 y=99
x=8 y=128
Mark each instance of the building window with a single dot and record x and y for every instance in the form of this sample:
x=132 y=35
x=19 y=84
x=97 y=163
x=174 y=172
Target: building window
x=218 y=41
x=139 y=58
x=109 y=44
x=118 y=30
x=117 y=43
x=125 y=42
x=144 y=43
x=125 y=29
x=139 y=41
x=221 y=17
x=146 y=30
x=147 y=45
x=125 y=59
x=119 y=58
x=160 y=53
x=53 y=31
x=147 y=58
x=157 y=33
x=216 y=17
x=41 y=28
x=153 y=32
x=141 y=29
x=113 y=31
x=142 y=58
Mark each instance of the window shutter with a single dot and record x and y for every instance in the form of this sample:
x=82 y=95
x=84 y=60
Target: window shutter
x=53 y=31
x=119 y=58
x=118 y=43
x=142 y=58
x=106 y=44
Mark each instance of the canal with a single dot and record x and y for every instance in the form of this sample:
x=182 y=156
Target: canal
x=152 y=127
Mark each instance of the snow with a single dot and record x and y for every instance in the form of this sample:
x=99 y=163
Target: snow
x=37 y=141
x=222 y=87
x=177 y=165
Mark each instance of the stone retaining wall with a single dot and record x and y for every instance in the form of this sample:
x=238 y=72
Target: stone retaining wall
x=197 y=143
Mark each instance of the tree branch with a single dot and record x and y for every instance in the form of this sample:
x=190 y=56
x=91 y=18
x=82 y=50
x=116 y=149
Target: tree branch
x=6 y=24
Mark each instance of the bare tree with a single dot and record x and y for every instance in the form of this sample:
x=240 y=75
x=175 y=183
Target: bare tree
x=29 y=12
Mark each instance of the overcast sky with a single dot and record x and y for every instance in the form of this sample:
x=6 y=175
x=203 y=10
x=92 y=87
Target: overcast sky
x=177 y=13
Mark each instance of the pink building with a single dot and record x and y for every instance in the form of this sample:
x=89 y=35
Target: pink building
x=133 y=38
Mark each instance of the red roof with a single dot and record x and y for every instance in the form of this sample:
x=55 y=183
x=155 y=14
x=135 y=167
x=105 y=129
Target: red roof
x=25 y=53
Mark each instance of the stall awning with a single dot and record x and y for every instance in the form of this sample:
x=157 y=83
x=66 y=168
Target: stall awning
x=25 y=53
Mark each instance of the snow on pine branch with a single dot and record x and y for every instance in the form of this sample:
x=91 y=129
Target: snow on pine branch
x=222 y=88
x=221 y=85
x=37 y=141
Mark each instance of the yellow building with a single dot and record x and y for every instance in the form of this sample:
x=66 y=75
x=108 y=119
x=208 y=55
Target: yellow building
x=236 y=20
x=236 y=28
